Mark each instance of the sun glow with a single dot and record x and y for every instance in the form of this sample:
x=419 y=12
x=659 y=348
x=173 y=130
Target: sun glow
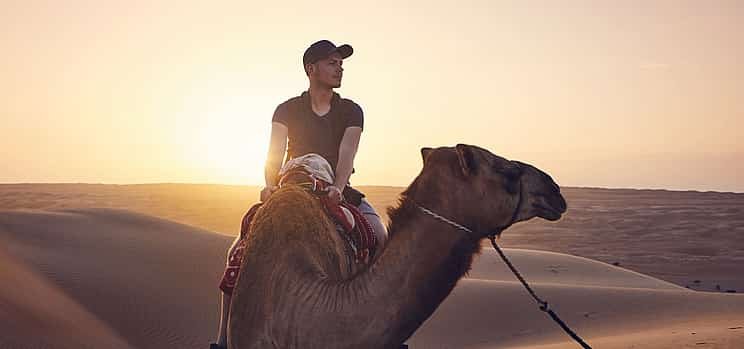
x=228 y=138
x=230 y=151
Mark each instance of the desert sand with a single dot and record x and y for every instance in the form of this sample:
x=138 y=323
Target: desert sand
x=137 y=266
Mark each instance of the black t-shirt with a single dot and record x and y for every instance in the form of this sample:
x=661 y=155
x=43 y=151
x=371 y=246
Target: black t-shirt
x=310 y=133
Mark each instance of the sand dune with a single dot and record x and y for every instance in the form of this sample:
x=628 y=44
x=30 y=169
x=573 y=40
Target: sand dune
x=495 y=314
x=152 y=280
x=558 y=268
x=153 y=283
x=706 y=333
x=36 y=314
x=491 y=309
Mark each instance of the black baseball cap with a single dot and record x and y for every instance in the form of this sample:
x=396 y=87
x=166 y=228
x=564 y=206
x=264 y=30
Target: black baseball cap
x=324 y=48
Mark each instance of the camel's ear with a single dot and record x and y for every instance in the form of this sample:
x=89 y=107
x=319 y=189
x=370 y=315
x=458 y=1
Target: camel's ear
x=465 y=155
x=425 y=153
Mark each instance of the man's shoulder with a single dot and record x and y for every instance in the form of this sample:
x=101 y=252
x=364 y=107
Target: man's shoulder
x=296 y=100
x=350 y=104
x=287 y=111
x=348 y=101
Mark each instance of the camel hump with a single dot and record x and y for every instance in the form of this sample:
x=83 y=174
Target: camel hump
x=298 y=207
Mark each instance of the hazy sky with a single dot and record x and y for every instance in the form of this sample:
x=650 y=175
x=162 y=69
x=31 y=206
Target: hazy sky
x=640 y=94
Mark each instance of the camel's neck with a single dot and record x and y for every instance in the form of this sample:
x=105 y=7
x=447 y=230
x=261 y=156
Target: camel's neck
x=419 y=267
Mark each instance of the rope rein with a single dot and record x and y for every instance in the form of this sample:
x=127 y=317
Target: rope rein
x=543 y=305
x=445 y=220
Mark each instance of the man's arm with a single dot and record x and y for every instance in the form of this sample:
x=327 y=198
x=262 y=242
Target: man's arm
x=346 y=153
x=275 y=157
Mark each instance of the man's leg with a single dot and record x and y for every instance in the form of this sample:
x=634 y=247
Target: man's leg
x=225 y=307
x=375 y=221
x=225 y=315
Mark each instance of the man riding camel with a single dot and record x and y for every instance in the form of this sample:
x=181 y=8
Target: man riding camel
x=319 y=122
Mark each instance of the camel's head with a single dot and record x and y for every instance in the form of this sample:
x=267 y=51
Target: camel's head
x=487 y=191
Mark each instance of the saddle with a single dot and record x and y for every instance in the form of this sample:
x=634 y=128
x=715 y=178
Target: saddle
x=350 y=223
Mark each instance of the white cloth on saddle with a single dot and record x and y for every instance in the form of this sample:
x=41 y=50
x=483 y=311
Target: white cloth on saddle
x=319 y=168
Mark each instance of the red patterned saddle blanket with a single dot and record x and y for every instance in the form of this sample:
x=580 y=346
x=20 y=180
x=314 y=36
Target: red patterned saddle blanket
x=359 y=236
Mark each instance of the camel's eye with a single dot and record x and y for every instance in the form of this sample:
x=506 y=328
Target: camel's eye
x=512 y=173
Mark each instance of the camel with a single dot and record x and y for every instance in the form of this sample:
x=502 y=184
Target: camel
x=295 y=289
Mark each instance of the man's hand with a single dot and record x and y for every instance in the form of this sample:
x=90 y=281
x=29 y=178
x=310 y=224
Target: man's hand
x=267 y=191
x=334 y=194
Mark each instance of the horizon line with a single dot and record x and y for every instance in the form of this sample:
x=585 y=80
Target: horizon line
x=361 y=185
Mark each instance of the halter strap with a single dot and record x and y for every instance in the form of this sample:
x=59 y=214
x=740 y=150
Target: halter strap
x=493 y=234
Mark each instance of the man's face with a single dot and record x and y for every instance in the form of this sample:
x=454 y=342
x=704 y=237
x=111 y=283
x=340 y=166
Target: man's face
x=327 y=72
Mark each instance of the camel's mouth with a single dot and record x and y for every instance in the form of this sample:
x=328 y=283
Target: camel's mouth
x=547 y=212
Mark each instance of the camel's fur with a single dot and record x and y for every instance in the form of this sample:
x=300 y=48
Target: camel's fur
x=294 y=291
